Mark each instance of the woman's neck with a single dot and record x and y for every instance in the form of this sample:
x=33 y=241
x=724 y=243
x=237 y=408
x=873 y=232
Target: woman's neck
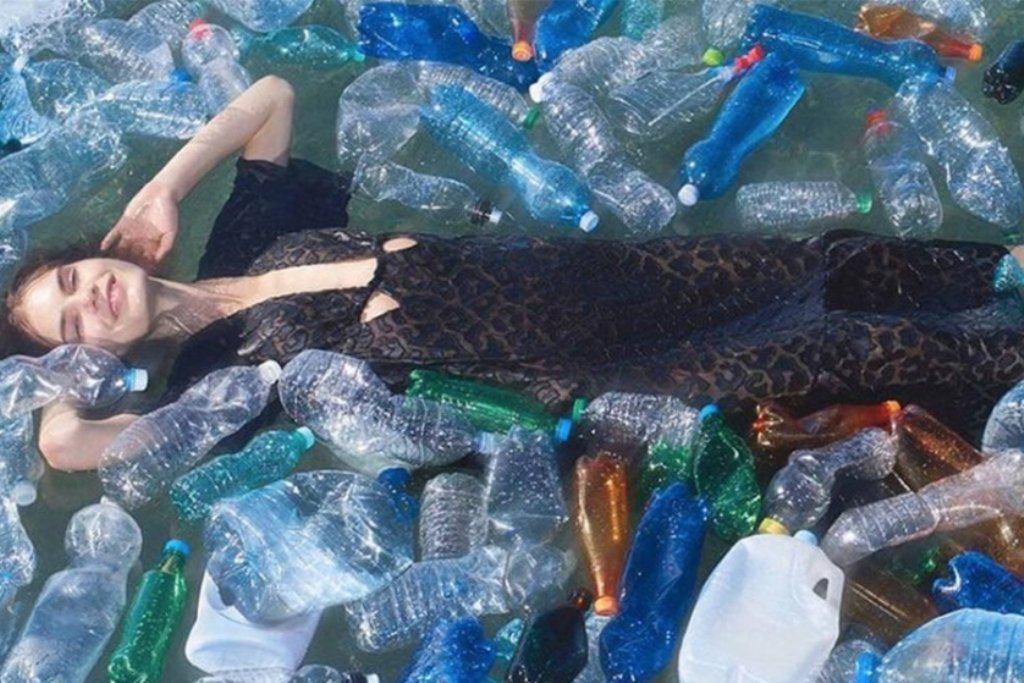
x=181 y=309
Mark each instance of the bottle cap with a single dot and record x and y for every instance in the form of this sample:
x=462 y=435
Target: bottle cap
x=688 y=195
x=136 y=379
x=749 y=59
x=532 y=115
x=178 y=546
x=180 y=75
x=805 y=536
x=19 y=64
x=864 y=202
x=867 y=668
x=358 y=56
x=975 y=53
x=23 y=493
x=197 y=27
x=770 y=526
x=606 y=605
x=949 y=75
x=563 y=430
x=270 y=371
x=876 y=116
x=578 y=406
x=712 y=57
x=589 y=221
x=707 y=411
x=495 y=216
x=394 y=477
x=307 y=436
x=522 y=51
x=893 y=408
x=537 y=89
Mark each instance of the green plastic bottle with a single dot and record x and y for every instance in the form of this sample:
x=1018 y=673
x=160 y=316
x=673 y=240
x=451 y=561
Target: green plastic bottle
x=317 y=47
x=152 y=619
x=723 y=473
x=664 y=465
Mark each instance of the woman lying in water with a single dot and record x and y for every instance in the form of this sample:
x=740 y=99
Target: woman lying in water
x=733 y=319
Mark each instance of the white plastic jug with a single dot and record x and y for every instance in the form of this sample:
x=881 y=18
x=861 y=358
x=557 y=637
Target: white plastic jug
x=769 y=613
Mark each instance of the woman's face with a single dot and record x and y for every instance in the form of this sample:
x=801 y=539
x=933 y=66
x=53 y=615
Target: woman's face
x=102 y=302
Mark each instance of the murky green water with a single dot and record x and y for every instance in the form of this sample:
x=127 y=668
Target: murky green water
x=819 y=141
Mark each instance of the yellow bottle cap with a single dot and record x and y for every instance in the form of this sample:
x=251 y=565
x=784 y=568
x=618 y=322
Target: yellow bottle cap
x=770 y=526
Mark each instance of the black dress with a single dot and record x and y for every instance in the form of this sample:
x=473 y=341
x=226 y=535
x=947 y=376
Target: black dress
x=731 y=319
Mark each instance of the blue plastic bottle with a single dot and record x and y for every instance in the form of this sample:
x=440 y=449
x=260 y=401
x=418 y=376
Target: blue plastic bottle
x=755 y=108
x=818 y=44
x=568 y=24
x=553 y=647
x=657 y=587
x=439 y=33
x=453 y=652
x=494 y=147
x=977 y=581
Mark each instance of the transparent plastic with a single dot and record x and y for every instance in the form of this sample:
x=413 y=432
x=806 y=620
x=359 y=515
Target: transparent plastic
x=263 y=15
x=118 y=51
x=18 y=557
x=162 y=109
x=795 y=208
x=59 y=87
x=211 y=57
x=453 y=516
x=1005 y=426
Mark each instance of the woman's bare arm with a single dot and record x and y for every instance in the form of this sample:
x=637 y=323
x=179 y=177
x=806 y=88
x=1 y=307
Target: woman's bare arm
x=69 y=442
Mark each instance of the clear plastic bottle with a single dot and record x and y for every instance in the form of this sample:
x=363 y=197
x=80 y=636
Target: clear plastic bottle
x=985 y=491
x=267 y=458
x=454 y=650
x=405 y=609
x=59 y=87
x=348 y=406
x=901 y=177
x=305 y=543
x=167 y=19
x=79 y=607
x=980 y=174
x=263 y=15
x=20 y=123
x=800 y=493
x=640 y=16
x=586 y=138
x=211 y=56
x=592 y=672
x=453 y=516
x=313 y=673
x=21 y=467
x=148 y=455
x=841 y=666
x=568 y=24
x=162 y=109
x=617 y=419
x=492 y=146
x=18 y=556
x=793 y=208
x=1005 y=426
x=120 y=52
x=312 y=45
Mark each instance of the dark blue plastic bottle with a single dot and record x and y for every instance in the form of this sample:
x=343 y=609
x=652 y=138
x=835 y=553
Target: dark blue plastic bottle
x=657 y=587
x=397 y=480
x=553 y=647
x=977 y=581
x=818 y=44
x=439 y=33
x=752 y=112
x=1004 y=79
x=453 y=652
x=567 y=24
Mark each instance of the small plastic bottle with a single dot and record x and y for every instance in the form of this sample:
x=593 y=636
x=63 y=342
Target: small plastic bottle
x=453 y=516
x=723 y=473
x=211 y=56
x=893 y=21
x=793 y=208
x=1004 y=79
x=120 y=52
x=553 y=646
x=601 y=516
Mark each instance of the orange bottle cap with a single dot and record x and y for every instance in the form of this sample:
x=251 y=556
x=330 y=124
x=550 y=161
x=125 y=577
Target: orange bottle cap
x=606 y=605
x=975 y=53
x=522 y=51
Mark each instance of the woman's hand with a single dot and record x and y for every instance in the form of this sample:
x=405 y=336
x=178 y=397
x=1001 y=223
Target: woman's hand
x=146 y=231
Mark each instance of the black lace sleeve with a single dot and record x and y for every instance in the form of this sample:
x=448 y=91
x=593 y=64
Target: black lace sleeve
x=268 y=201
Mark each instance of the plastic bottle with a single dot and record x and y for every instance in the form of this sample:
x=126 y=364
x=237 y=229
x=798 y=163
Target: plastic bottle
x=662 y=466
x=269 y=457
x=568 y=24
x=778 y=432
x=929 y=450
x=453 y=516
x=892 y=21
x=799 y=494
x=640 y=16
x=793 y=208
x=967 y=646
x=79 y=607
x=626 y=421
x=406 y=608
x=18 y=563
x=755 y=108
x=890 y=607
x=818 y=44
x=168 y=19
x=1004 y=79
x=657 y=587
x=349 y=407
x=963 y=16
x=981 y=493
x=152 y=619
x=976 y=582
x=723 y=21
x=314 y=673
x=523 y=16
x=841 y=666
x=769 y=612
x=586 y=138
x=315 y=46
x=493 y=147
x=147 y=456
x=305 y=543
x=1005 y=426
x=592 y=672
x=455 y=651
x=20 y=123
x=601 y=516
x=119 y=52
x=661 y=102
x=21 y=468
x=174 y=110
x=723 y=473
x=1009 y=275
x=211 y=56
x=263 y=15
x=979 y=172
x=553 y=646
x=901 y=177
x=59 y=87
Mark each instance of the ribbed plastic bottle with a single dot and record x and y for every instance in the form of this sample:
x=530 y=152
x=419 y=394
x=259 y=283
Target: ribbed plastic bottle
x=312 y=45
x=168 y=19
x=980 y=174
x=1004 y=79
x=724 y=476
x=796 y=208
x=601 y=516
x=263 y=15
x=269 y=457
x=723 y=21
x=893 y=22
x=640 y=16
x=453 y=516
x=627 y=421
x=18 y=561
x=902 y=180
x=162 y=109
x=162 y=445
x=751 y=114
x=553 y=646
x=120 y=52
x=21 y=467
x=211 y=57
x=79 y=607
x=456 y=651
x=975 y=581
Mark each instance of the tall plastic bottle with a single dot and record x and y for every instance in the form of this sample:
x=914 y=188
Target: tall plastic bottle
x=120 y=52
x=269 y=457
x=315 y=46
x=168 y=19
x=492 y=146
x=776 y=431
x=794 y=208
x=59 y=87
x=146 y=457
x=263 y=15
x=1004 y=79
x=79 y=607
x=627 y=421
x=818 y=44
x=657 y=587
x=752 y=112
x=174 y=110
x=152 y=619
x=979 y=172
x=769 y=612
x=601 y=516
x=21 y=467
x=893 y=21
x=723 y=473
x=976 y=582
x=553 y=646
x=523 y=16
x=455 y=651
x=211 y=56
x=453 y=516
x=18 y=561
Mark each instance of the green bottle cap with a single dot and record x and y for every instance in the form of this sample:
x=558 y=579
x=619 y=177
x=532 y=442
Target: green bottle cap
x=358 y=56
x=177 y=546
x=864 y=202
x=578 y=406
x=532 y=117
x=713 y=57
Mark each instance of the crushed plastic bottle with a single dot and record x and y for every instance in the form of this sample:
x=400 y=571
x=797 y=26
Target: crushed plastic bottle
x=18 y=563
x=776 y=431
x=118 y=51
x=723 y=474
x=263 y=15
x=1005 y=426
x=453 y=516
x=168 y=19
x=553 y=646
x=211 y=57
x=314 y=46
x=796 y=208
x=79 y=607
x=455 y=651
x=976 y=582
x=145 y=458
x=60 y=87
x=174 y=110
x=601 y=516
x=20 y=123
x=625 y=421
x=21 y=468
x=723 y=21
x=893 y=21
x=1004 y=79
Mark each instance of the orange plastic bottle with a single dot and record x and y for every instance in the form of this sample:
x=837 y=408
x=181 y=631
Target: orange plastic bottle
x=891 y=608
x=601 y=517
x=894 y=22
x=523 y=15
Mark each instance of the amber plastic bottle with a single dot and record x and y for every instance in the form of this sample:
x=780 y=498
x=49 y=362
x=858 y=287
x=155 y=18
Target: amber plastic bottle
x=601 y=517
x=894 y=22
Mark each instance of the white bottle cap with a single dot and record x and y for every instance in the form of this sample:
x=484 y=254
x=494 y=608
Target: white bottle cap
x=495 y=216
x=589 y=221
x=24 y=493
x=222 y=639
x=270 y=371
x=537 y=89
x=19 y=64
x=137 y=379
x=688 y=194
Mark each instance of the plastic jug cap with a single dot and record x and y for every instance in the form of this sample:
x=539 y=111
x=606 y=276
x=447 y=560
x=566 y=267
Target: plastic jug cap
x=578 y=406
x=864 y=202
x=136 y=379
x=688 y=195
x=307 y=436
x=176 y=545
x=589 y=221
x=23 y=493
x=522 y=51
x=495 y=216
x=563 y=430
x=270 y=371
x=805 y=536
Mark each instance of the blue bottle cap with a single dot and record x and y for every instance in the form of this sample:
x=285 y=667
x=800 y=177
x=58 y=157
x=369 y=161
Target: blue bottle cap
x=179 y=75
x=176 y=545
x=949 y=74
x=806 y=536
x=394 y=477
x=563 y=430
x=707 y=411
x=867 y=668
